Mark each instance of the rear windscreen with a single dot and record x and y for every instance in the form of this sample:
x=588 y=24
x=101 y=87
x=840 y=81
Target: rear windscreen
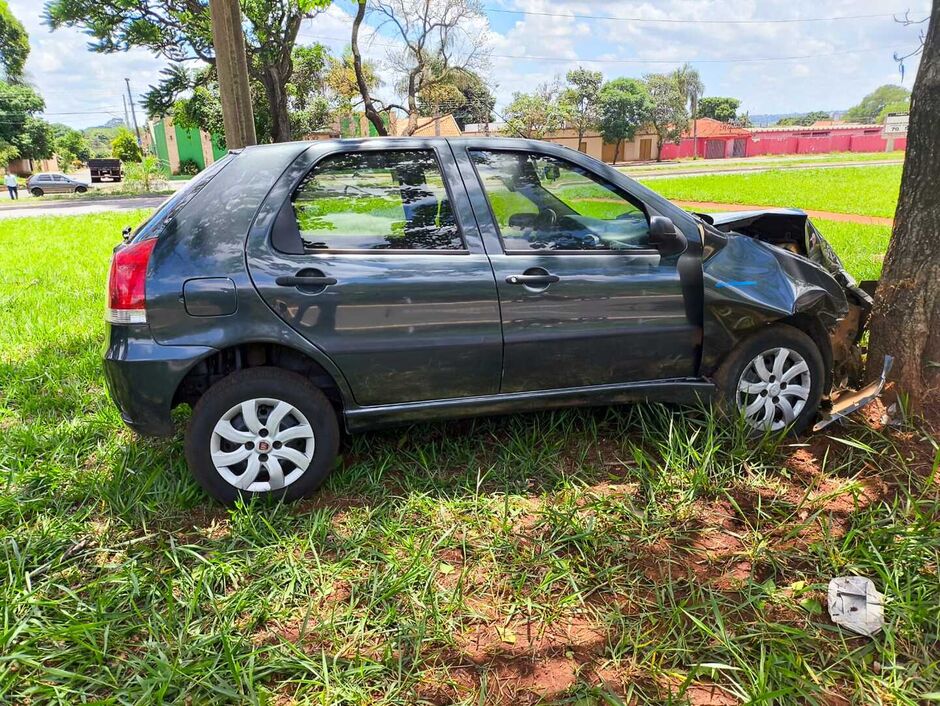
x=151 y=227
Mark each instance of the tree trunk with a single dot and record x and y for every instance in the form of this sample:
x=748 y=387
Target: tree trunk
x=274 y=83
x=371 y=113
x=906 y=318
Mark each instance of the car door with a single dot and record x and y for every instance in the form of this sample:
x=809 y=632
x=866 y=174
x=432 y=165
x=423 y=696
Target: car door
x=375 y=258
x=585 y=298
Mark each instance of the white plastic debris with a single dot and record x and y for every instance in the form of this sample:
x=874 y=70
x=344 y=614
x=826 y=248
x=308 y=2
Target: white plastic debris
x=855 y=604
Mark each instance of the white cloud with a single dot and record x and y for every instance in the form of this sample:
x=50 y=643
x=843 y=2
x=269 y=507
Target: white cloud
x=80 y=87
x=835 y=75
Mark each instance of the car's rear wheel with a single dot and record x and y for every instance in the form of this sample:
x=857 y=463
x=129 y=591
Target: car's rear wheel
x=262 y=432
x=81 y=189
x=774 y=380
x=36 y=191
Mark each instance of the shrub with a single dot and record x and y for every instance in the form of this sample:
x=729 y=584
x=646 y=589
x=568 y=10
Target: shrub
x=189 y=167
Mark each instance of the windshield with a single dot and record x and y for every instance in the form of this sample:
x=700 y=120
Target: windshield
x=151 y=226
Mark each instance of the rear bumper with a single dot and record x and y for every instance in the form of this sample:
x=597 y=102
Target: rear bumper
x=142 y=377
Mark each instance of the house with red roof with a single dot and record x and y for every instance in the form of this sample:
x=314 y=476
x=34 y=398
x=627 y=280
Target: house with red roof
x=711 y=139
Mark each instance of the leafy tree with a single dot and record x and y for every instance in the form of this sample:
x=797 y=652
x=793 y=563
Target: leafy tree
x=895 y=107
x=22 y=133
x=624 y=107
x=144 y=173
x=668 y=115
x=907 y=302
x=71 y=147
x=14 y=44
x=125 y=146
x=718 y=108
x=463 y=93
x=535 y=115
x=806 y=119
x=439 y=39
x=868 y=110
x=583 y=95
x=181 y=30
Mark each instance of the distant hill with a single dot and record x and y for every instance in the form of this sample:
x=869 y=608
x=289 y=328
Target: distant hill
x=773 y=118
x=99 y=138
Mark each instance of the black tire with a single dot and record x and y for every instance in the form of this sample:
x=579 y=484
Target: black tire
x=729 y=374
x=36 y=191
x=81 y=189
x=251 y=384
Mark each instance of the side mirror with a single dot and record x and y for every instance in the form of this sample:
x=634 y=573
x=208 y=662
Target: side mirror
x=665 y=237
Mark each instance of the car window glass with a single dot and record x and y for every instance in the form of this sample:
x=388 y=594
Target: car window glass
x=544 y=203
x=394 y=200
x=44 y=177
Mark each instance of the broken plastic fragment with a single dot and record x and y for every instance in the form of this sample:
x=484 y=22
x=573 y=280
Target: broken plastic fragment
x=855 y=604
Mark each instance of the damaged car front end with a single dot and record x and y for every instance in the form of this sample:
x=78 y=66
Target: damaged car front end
x=775 y=266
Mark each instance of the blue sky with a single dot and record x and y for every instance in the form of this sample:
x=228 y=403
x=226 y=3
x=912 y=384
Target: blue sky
x=842 y=59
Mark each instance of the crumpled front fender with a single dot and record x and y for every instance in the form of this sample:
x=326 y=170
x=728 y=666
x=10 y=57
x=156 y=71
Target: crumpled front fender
x=749 y=284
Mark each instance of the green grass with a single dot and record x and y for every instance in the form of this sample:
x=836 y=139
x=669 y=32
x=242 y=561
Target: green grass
x=629 y=555
x=869 y=191
x=687 y=164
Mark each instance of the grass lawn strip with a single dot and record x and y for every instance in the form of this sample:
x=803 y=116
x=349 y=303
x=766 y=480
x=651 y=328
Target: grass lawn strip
x=645 y=553
x=869 y=191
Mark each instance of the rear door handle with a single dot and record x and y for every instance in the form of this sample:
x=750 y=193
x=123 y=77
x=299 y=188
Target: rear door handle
x=299 y=281
x=532 y=279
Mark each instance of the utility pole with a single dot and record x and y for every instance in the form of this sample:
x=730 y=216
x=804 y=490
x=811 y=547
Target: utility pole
x=232 y=67
x=133 y=111
x=127 y=120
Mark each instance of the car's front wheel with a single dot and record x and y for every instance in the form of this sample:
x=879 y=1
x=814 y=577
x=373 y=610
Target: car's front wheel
x=774 y=380
x=262 y=432
x=81 y=189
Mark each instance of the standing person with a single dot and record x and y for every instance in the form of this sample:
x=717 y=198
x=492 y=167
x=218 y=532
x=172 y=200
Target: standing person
x=12 y=185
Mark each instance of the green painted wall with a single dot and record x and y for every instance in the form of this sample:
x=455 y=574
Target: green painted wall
x=217 y=152
x=189 y=146
x=159 y=134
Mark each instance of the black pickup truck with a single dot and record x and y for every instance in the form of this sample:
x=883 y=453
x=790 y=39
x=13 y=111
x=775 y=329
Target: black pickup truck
x=105 y=169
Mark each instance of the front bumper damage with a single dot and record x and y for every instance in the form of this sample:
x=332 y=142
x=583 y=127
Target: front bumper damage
x=851 y=401
x=823 y=290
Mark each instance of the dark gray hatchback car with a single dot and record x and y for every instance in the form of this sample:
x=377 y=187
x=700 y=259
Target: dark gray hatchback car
x=296 y=289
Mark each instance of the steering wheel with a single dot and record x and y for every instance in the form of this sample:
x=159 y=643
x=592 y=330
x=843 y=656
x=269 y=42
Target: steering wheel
x=546 y=220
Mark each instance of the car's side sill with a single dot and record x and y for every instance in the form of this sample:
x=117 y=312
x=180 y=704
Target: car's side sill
x=675 y=390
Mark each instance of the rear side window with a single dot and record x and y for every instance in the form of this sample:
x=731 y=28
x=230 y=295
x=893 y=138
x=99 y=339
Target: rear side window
x=392 y=200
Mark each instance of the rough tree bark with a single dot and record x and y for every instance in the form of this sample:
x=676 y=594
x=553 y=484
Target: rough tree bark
x=906 y=318
x=367 y=104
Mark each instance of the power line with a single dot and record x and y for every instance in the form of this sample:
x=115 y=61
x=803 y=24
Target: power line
x=741 y=60
x=789 y=20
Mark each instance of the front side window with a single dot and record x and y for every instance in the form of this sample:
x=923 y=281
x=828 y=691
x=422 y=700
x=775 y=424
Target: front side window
x=394 y=200
x=544 y=203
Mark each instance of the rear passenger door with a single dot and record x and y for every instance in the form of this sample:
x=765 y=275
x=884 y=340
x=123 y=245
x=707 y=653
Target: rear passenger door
x=376 y=259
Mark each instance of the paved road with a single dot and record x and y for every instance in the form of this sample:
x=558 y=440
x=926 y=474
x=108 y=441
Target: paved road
x=77 y=207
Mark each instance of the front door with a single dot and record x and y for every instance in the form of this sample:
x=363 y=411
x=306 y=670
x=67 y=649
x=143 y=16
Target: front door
x=585 y=299
x=646 y=149
x=376 y=259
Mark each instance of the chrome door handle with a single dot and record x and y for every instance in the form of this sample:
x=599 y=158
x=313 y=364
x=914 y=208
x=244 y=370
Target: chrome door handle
x=532 y=279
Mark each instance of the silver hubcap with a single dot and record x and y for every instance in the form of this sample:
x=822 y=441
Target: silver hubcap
x=773 y=389
x=262 y=444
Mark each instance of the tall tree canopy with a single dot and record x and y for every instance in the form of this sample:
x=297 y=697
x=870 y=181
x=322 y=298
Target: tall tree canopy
x=870 y=107
x=583 y=95
x=668 y=115
x=14 y=44
x=907 y=303
x=182 y=29
x=718 y=108
x=440 y=39
x=534 y=115
x=625 y=106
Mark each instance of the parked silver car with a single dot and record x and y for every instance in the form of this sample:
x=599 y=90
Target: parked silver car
x=54 y=183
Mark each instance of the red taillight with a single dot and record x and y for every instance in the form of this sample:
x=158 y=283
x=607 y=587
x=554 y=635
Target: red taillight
x=126 y=282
